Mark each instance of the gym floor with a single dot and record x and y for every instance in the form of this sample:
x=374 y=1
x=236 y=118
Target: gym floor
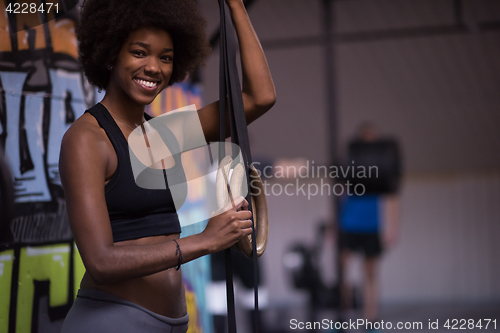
x=279 y=321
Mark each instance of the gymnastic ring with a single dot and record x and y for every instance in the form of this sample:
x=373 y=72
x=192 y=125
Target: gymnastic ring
x=258 y=198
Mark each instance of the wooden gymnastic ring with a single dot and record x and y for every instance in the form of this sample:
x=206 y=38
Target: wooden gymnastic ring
x=259 y=202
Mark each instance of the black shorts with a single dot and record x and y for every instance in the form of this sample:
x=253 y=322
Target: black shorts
x=368 y=244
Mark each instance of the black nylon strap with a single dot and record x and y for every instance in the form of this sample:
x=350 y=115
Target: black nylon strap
x=231 y=313
x=222 y=84
x=239 y=136
x=230 y=89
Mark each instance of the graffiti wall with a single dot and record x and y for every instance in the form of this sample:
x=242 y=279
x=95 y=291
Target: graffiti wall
x=42 y=92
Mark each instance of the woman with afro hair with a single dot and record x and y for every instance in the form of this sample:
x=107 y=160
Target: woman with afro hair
x=127 y=236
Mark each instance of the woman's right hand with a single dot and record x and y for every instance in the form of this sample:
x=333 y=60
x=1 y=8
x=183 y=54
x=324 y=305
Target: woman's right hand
x=227 y=228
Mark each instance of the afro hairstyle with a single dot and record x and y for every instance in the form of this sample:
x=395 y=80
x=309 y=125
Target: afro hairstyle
x=105 y=25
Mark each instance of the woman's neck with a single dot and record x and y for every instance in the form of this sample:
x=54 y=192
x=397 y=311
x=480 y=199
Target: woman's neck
x=132 y=114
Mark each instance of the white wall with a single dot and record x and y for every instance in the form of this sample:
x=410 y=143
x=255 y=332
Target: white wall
x=449 y=248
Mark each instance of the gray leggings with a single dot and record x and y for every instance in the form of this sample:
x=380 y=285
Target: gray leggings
x=97 y=311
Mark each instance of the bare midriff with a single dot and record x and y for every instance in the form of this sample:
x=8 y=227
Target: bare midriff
x=162 y=292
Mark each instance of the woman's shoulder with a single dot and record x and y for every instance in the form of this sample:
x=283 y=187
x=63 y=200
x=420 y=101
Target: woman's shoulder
x=86 y=135
x=84 y=128
x=85 y=156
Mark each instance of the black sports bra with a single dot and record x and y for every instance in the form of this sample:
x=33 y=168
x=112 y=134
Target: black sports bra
x=134 y=211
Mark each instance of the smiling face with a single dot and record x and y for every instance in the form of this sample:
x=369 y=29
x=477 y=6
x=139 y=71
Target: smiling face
x=143 y=67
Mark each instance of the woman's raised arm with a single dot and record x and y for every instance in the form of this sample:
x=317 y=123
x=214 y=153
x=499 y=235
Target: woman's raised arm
x=258 y=91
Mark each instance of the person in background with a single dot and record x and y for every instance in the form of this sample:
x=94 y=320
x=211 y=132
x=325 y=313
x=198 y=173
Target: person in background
x=369 y=223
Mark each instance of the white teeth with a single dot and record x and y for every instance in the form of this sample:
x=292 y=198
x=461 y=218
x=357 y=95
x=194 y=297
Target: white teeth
x=147 y=83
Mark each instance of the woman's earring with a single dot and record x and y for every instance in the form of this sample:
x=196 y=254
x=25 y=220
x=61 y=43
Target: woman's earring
x=109 y=67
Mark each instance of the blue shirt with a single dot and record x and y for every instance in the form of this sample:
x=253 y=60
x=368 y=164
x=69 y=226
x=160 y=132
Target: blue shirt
x=360 y=214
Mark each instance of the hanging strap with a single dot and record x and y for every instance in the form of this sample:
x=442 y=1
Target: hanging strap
x=231 y=103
